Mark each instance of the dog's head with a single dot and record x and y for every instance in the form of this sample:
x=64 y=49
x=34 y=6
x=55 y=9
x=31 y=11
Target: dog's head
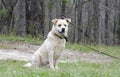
x=60 y=26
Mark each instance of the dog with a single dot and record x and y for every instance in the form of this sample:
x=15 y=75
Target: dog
x=50 y=51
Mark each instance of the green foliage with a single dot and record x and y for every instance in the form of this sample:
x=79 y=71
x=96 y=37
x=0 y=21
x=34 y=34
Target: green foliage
x=33 y=30
x=65 y=1
x=3 y=14
x=14 y=30
x=13 y=68
x=49 y=5
x=16 y=18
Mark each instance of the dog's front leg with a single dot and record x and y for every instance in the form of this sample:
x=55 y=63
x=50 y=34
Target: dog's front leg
x=50 y=56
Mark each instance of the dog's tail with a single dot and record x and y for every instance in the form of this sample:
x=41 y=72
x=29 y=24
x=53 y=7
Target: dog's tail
x=28 y=65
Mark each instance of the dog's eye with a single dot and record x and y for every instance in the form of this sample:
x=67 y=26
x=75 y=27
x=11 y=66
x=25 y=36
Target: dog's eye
x=59 y=25
x=65 y=25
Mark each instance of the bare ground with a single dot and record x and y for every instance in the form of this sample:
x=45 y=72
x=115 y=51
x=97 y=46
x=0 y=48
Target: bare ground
x=24 y=51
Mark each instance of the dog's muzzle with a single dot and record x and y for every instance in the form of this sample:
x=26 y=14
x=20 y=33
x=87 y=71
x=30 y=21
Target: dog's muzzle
x=62 y=30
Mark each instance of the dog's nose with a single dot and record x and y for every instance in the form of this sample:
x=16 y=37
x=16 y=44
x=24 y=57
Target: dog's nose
x=63 y=30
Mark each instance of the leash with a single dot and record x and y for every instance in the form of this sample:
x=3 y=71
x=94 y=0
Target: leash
x=118 y=58
x=102 y=52
x=66 y=39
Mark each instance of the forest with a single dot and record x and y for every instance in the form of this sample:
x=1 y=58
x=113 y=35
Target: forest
x=93 y=21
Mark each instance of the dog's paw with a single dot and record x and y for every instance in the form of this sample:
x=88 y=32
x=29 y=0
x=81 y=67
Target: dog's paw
x=52 y=67
x=56 y=67
x=28 y=65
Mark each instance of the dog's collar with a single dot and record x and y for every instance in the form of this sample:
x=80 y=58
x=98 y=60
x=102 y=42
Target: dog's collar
x=66 y=39
x=61 y=37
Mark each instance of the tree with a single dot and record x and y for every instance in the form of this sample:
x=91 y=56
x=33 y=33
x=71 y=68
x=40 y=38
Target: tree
x=93 y=21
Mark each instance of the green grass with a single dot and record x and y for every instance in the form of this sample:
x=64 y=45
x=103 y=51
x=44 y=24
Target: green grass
x=111 y=50
x=78 y=47
x=26 y=39
x=12 y=68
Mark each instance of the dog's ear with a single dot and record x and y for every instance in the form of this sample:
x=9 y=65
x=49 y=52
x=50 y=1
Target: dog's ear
x=54 y=21
x=68 y=20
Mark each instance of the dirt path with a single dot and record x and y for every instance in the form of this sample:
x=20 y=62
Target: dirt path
x=22 y=51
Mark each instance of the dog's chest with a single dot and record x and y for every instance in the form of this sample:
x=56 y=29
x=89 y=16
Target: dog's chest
x=58 y=48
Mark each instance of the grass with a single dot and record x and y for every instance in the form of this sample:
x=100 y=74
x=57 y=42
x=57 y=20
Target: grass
x=26 y=39
x=12 y=68
x=78 y=47
x=112 y=50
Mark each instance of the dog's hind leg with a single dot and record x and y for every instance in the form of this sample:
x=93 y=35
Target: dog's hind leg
x=36 y=61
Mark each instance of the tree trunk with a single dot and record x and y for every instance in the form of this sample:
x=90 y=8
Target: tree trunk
x=18 y=20
x=101 y=25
